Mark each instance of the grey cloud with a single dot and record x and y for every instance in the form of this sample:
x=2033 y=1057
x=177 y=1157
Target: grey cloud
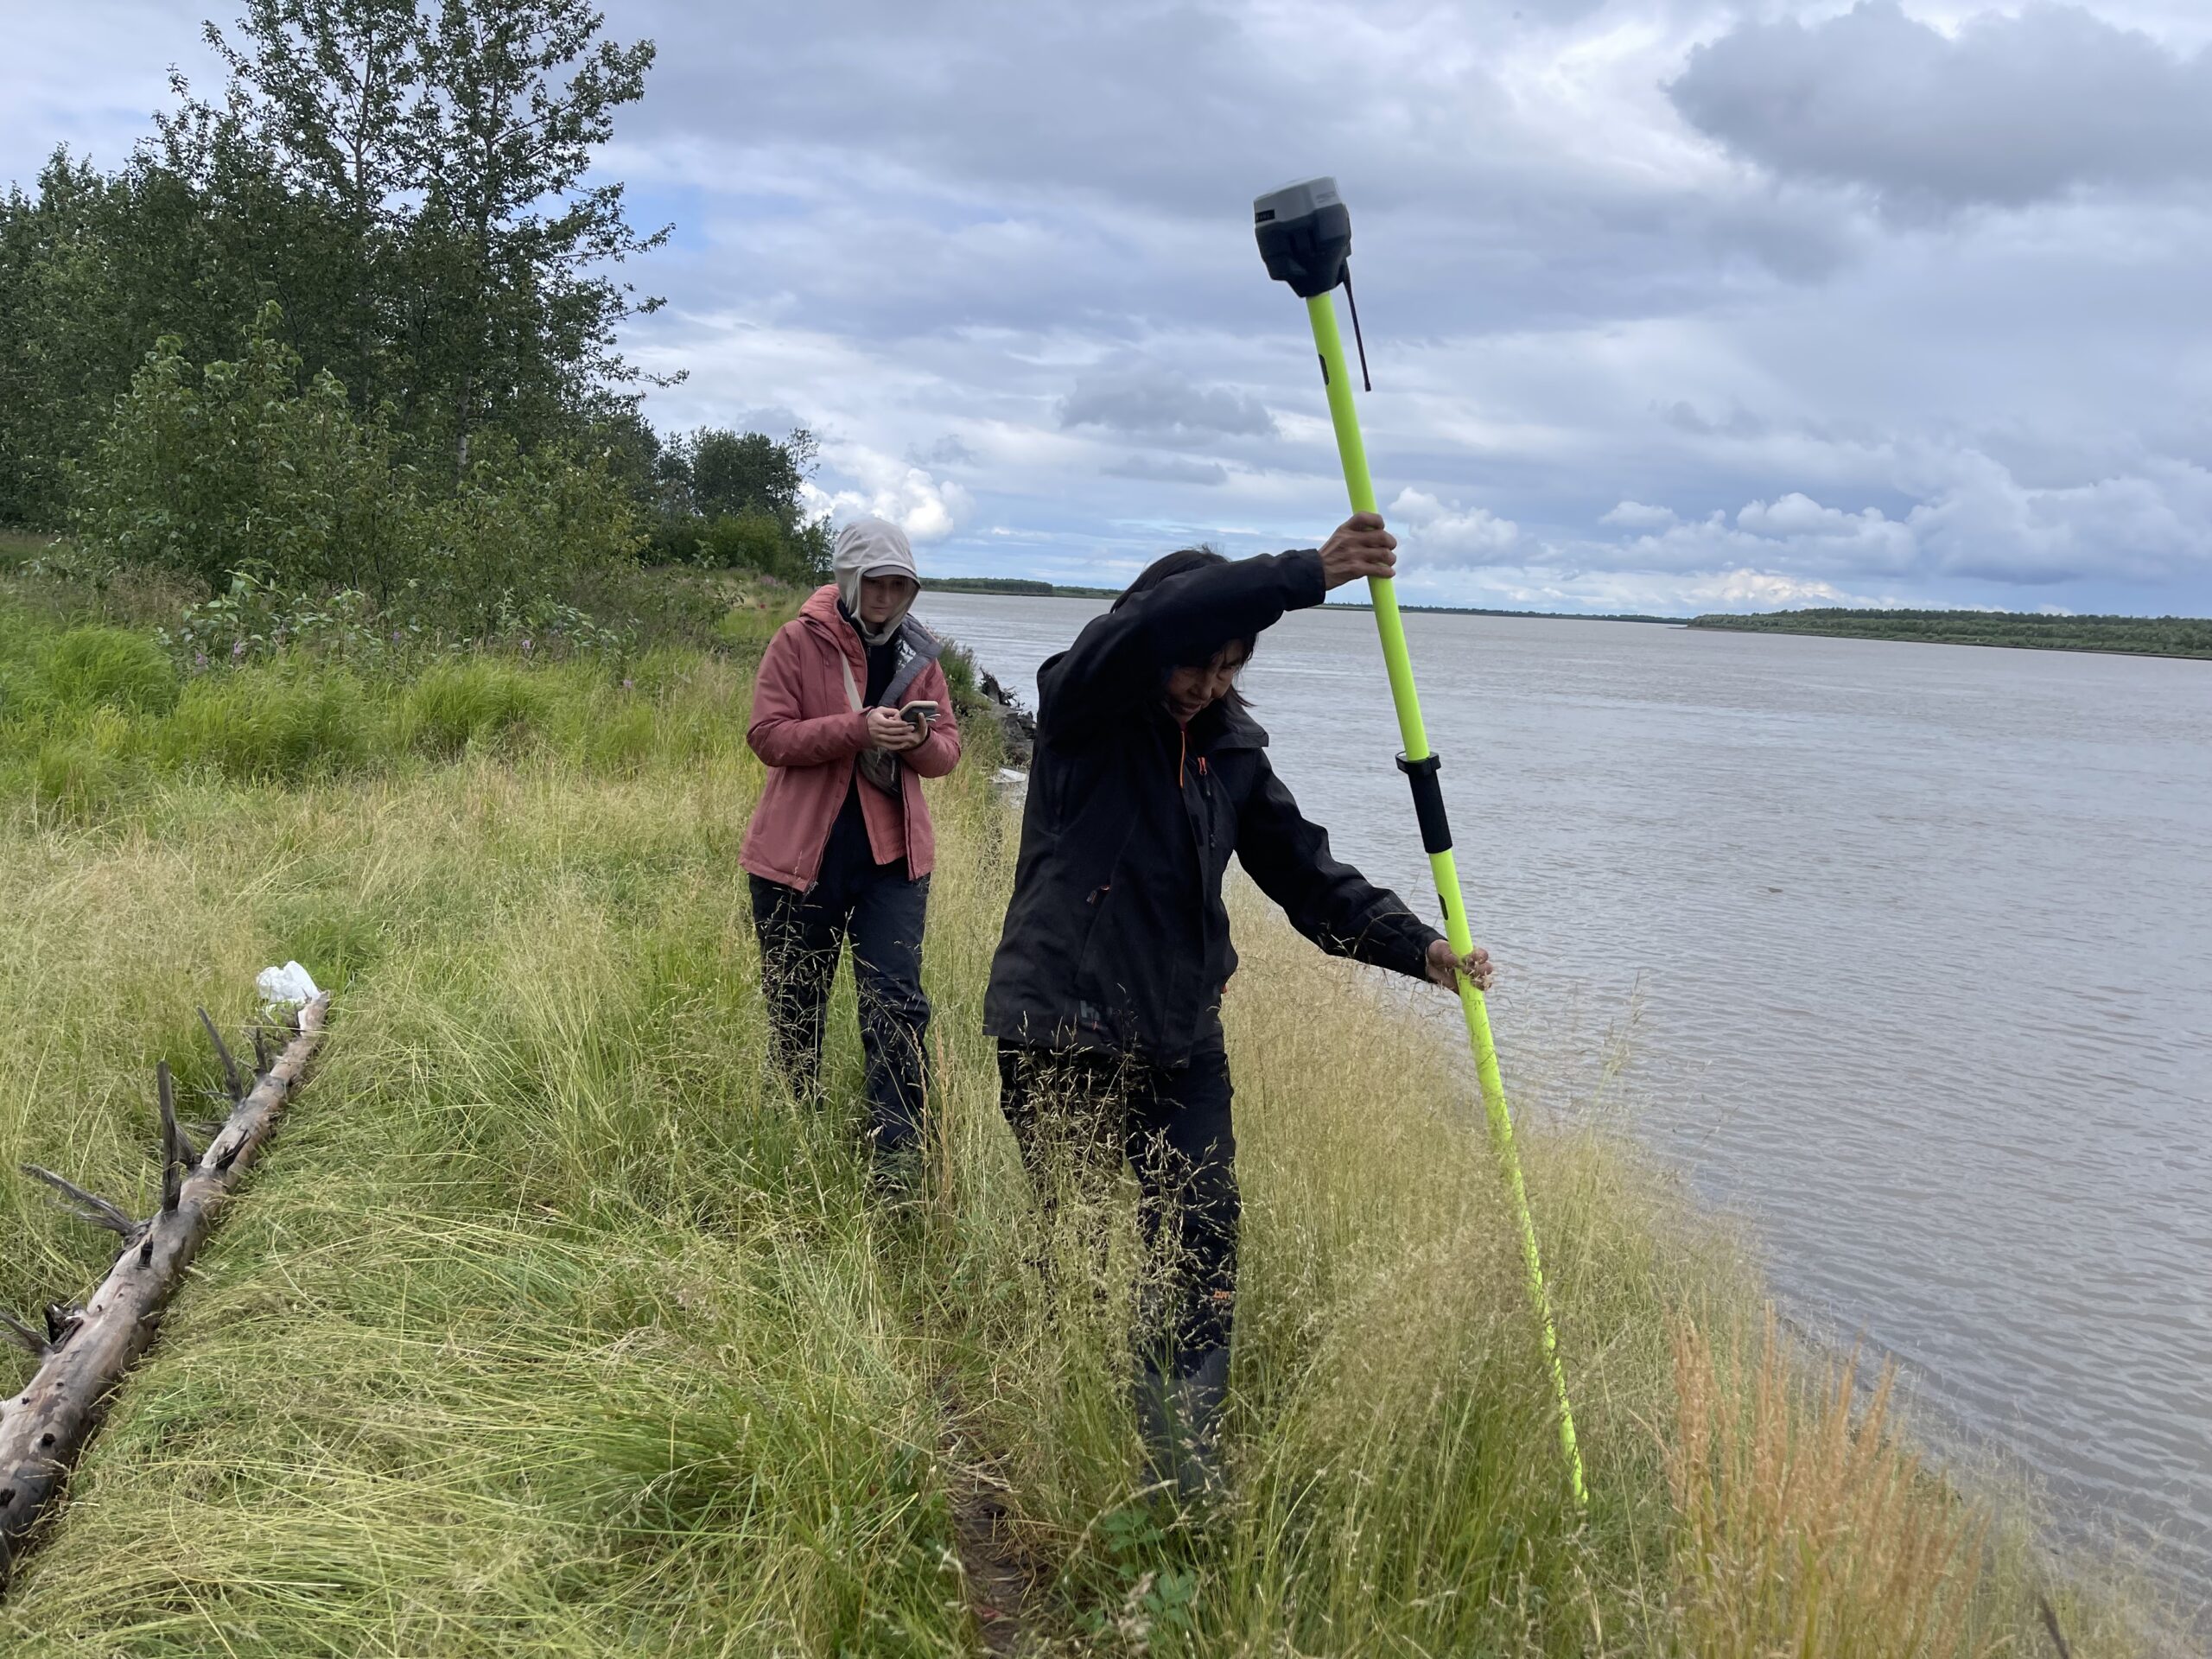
x=1739 y=423
x=1150 y=400
x=1170 y=469
x=947 y=451
x=1062 y=159
x=2010 y=109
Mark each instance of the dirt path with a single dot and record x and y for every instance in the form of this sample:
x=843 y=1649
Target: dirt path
x=1000 y=1578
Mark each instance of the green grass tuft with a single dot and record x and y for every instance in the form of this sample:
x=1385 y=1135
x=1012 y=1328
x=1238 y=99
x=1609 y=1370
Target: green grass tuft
x=455 y=704
x=109 y=665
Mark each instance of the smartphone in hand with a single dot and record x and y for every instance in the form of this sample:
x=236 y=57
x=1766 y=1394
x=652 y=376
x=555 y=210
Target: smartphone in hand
x=919 y=715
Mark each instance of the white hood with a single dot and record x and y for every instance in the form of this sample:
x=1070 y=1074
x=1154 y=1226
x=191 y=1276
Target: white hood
x=871 y=547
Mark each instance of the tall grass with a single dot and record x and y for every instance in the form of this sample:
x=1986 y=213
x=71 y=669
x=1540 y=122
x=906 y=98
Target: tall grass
x=551 y=1326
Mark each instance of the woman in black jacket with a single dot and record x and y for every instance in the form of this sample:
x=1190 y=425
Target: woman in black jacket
x=1105 y=995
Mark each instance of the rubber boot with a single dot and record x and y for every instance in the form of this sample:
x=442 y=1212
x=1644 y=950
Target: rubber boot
x=1179 y=1422
x=895 y=1174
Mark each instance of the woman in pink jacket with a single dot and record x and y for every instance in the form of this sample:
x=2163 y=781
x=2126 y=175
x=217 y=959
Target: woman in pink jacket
x=840 y=848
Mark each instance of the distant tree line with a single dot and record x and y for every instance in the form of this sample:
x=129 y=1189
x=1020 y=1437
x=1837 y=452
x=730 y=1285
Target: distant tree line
x=2160 y=636
x=1028 y=586
x=354 y=322
x=738 y=500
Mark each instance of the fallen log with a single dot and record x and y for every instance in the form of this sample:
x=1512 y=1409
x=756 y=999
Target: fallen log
x=86 y=1351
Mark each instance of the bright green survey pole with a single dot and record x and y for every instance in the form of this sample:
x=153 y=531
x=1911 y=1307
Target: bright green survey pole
x=1305 y=236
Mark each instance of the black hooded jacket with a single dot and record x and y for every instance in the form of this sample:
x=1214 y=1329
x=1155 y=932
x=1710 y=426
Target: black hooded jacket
x=1116 y=937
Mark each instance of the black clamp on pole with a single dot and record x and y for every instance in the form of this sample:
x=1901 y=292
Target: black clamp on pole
x=1428 y=801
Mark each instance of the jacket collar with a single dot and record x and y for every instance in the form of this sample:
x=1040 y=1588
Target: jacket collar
x=1220 y=727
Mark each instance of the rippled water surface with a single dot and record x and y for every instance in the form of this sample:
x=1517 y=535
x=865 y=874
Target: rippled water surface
x=1919 y=942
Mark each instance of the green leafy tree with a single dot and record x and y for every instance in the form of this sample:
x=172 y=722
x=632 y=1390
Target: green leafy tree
x=524 y=528
x=406 y=178
x=96 y=268
x=731 y=500
x=320 y=93
x=518 y=312
x=737 y=472
x=235 y=467
x=447 y=141
x=237 y=470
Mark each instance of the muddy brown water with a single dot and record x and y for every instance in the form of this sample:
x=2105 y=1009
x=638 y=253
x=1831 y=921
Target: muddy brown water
x=1912 y=947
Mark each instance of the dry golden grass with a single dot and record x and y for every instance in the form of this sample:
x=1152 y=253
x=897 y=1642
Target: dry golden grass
x=1808 y=1527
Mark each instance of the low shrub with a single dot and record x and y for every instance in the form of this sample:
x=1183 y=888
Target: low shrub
x=210 y=470
x=753 y=539
x=959 y=665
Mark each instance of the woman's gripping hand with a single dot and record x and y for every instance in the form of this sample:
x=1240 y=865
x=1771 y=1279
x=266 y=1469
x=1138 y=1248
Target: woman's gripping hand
x=1358 y=548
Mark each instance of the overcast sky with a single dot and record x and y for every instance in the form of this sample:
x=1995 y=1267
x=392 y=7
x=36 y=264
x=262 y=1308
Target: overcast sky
x=1671 y=305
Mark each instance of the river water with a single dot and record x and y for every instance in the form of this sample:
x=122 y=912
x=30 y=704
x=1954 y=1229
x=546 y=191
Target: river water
x=1912 y=947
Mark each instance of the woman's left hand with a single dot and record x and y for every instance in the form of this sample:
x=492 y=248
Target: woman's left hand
x=1445 y=969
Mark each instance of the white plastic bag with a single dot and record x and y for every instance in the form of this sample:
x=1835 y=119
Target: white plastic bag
x=286 y=987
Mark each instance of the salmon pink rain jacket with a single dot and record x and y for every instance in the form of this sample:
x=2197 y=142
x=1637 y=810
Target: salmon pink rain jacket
x=805 y=728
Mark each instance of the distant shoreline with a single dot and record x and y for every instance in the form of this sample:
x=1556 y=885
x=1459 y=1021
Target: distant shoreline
x=1546 y=616
x=2182 y=638
x=1013 y=587
x=2179 y=636
x=1022 y=588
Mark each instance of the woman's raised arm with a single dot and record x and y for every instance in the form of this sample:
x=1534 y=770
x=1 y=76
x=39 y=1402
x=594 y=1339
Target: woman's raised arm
x=1122 y=659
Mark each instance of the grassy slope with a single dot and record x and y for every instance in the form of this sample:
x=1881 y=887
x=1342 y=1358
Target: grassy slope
x=549 y=1328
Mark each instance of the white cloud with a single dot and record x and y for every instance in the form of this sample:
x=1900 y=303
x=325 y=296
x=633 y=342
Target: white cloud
x=2151 y=525
x=1635 y=514
x=1170 y=469
x=883 y=487
x=1432 y=534
x=1764 y=590
x=1867 y=539
x=1976 y=521
x=1553 y=588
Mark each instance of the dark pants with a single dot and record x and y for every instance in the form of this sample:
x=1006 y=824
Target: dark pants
x=1173 y=1127
x=881 y=913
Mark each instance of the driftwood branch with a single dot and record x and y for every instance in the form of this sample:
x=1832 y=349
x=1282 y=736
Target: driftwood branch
x=86 y=1206
x=177 y=1155
x=23 y=1337
x=223 y=1053
x=42 y=1428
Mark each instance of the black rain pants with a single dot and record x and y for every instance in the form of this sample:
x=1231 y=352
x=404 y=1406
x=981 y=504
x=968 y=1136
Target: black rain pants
x=1172 y=1126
